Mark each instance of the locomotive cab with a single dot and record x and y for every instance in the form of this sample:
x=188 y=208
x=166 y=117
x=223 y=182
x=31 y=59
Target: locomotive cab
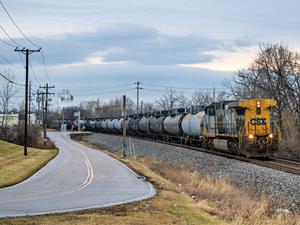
x=260 y=133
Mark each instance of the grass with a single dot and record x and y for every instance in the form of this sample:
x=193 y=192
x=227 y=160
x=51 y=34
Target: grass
x=15 y=167
x=220 y=198
x=169 y=206
x=183 y=197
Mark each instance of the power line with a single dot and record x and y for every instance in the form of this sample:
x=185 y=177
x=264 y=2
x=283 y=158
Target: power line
x=28 y=39
x=12 y=20
x=9 y=37
x=22 y=61
x=199 y=90
x=7 y=43
x=177 y=87
x=34 y=74
x=46 y=70
x=9 y=62
x=110 y=92
x=10 y=81
x=101 y=86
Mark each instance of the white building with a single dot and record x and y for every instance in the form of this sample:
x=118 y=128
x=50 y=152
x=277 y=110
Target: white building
x=12 y=119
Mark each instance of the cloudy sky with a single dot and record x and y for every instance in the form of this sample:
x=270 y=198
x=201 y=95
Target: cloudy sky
x=99 y=48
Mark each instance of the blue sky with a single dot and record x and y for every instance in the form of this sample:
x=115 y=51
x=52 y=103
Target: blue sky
x=92 y=46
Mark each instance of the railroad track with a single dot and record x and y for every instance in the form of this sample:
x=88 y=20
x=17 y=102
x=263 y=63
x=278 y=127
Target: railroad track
x=285 y=165
x=289 y=166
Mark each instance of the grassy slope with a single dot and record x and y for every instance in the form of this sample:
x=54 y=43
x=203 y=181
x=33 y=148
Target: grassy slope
x=169 y=206
x=15 y=167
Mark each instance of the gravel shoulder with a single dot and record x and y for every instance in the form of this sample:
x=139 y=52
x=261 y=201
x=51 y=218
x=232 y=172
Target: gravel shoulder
x=282 y=187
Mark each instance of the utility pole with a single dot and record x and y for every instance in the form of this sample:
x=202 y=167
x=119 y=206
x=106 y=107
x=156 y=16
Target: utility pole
x=42 y=107
x=27 y=52
x=124 y=126
x=39 y=101
x=29 y=106
x=46 y=100
x=138 y=88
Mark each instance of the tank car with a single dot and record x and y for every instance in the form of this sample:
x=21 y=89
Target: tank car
x=118 y=125
x=192 y=125
x=134 y=124
x=98 y=124
x=144 y=125
x=156 y=124
x=103 y=124
x=92 y=124
x=172 y=125
x=110 y=125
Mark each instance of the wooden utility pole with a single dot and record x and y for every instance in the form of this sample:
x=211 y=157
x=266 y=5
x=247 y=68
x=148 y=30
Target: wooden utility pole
x=138 y=88
x=45 y=119
x=124 y=126
x=29 y=106
x=27 y=52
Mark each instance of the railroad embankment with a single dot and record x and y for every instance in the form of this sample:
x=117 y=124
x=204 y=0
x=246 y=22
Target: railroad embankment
x=215 y=196
x=15 y=167
x=279 y=186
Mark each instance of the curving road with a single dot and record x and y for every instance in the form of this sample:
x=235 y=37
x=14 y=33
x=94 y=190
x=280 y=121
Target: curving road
x=78 y=178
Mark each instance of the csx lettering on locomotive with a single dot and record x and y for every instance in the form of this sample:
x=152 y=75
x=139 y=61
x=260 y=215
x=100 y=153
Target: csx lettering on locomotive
x=258 y=121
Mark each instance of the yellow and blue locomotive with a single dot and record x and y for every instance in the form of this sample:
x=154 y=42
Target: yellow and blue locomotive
x=243 y=127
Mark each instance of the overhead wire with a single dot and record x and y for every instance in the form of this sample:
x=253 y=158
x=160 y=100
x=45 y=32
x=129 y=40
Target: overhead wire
x=100 y=86
x=7 y=43
x=9 y=37
x=10 y=81
x=29 y=40
x=12 y=20
x=108 y=92
x=44 y=63
x=177 y=87
x=8 y=61
x=34 y=74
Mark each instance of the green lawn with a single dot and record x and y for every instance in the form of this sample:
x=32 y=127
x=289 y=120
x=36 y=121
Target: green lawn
x=15 y=167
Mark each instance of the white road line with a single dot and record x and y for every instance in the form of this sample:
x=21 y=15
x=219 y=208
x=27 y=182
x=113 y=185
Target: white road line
x=89 y=178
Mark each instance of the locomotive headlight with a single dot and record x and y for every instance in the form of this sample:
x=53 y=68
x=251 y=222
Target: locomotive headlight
x=270 y=135
x=258 y=104
x=251 y=136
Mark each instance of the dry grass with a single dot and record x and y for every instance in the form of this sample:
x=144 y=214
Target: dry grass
x=219 y=197
x=169 y=206
x=15 y=167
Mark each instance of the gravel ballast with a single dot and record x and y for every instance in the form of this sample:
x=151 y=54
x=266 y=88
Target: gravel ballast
x=264 y=181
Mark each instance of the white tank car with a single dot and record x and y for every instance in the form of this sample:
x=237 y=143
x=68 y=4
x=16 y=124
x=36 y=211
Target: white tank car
x=110 y=125
x=92 y=123
x=98 y=124
x=172 y=124
x=156 y=124
x=144 y=124
x=118 y=124
x=191 y=124
x=104 y=124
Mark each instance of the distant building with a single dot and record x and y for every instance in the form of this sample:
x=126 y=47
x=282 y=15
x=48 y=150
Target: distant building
x=13 y=119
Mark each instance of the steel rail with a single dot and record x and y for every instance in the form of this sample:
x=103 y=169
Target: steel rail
x=289 y=166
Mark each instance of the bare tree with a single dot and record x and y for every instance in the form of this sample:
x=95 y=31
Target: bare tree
x=114 y=108
x=149 y=107
x=184 y=101
x=274 y=73
x=205 y=98
x=7 y=92
x=168 y=101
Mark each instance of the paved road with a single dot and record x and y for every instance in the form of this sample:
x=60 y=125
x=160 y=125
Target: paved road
x=78 y=178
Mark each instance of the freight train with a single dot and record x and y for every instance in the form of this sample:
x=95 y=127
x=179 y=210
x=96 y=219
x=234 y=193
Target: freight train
x=242 y=127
